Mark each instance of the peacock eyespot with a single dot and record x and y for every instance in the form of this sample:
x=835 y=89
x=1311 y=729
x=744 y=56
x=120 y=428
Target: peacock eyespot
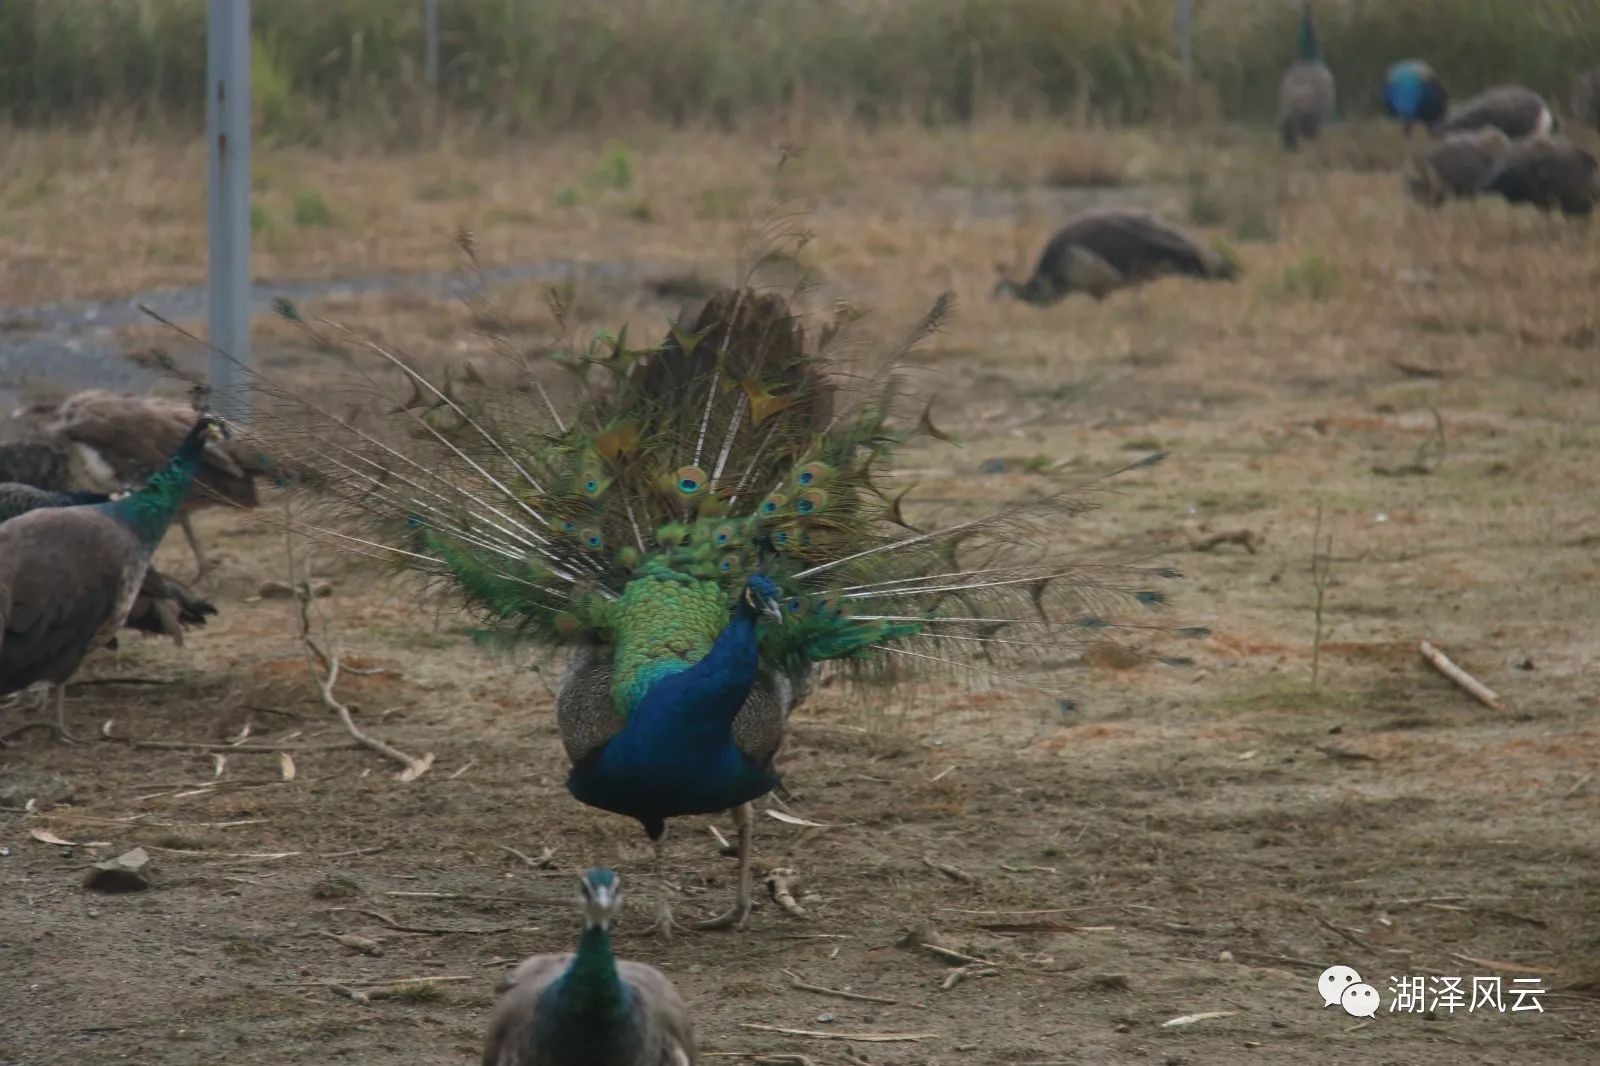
x=727 y=563
x=772 y=503
x=591 y=486
x=794 y=603
x=811 y=501
x=570 y=526
x=591 y=538
x=723 y=534
x=814 y=473
x=690 y=479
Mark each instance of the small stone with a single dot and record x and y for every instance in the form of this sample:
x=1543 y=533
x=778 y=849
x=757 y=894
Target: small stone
x=1108 y=982
x=1224 y=956
x=275 y=590
x=825 y=1016
x=93 y=913
x=125 y=873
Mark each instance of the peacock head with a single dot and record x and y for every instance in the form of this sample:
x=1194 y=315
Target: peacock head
x=761 y=597
x=602 y=897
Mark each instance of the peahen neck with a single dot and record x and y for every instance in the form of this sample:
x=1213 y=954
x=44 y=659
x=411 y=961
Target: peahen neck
x=150 y=511
x=1308 y=35
x=591 y=992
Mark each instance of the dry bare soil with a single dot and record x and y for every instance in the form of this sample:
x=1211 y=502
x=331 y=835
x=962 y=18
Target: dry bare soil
x=1188 y=839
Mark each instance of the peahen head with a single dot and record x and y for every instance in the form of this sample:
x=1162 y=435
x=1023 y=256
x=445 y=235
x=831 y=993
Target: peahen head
x=602 y=897
x=761 y=597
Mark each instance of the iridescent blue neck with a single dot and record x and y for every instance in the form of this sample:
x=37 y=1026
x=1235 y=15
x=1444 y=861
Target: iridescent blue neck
x=150 y=511
x=1308 y=35
x=708 y=694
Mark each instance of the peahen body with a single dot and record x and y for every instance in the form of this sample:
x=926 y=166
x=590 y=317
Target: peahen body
x=1514 y=110
x=1551 y=173
x=1455 y=166
x=586 y=1008
x=70 y=575
x=102 y=441
x=1307 y=96
x=1106 y=249
x=703 y=524
x=164 y=605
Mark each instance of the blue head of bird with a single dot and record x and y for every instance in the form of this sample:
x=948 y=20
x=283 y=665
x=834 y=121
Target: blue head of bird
x=602 y=897
x=761 y=597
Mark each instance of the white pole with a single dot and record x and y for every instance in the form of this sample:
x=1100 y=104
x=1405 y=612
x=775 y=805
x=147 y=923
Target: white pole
x=1185 y=46
x=430 y=18
x=228 y=219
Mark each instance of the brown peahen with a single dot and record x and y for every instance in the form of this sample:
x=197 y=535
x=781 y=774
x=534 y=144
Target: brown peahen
x=703 y=523
x=99 y=441
x=1106 y=249
x=1551 y=173
x=70 y=575
x=164 y=606
x=585 y=1008
x=1455 y=166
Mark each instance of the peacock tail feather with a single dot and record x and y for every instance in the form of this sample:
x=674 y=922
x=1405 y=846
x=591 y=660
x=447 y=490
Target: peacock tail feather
x=623 y=499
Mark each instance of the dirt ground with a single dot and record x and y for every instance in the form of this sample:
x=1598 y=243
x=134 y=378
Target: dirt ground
x=1187 y=839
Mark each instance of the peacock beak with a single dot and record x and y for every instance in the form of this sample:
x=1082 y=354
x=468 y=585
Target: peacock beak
x=770 y=608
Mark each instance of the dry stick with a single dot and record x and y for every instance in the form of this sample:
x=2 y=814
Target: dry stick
x=864 y=1038
x=1474 y=688
x=1242 y=537
x=414 y=767
x=255 y=749
x=952 y=872
x=796 y=982
x=1320 y=568
x=960 y=973
x=779 y=883
x=431 y=930
x=541 y=863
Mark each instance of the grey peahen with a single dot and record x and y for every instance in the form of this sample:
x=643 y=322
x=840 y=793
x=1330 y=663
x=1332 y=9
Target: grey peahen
x=1106 y=249
x=703 y=522
x=1307 y=97
x=164 y=605
x=1514 y=110
x=70 y=575
x=1455 y=166
x=1551 y=173
x=585 y=1008
x=102 y=441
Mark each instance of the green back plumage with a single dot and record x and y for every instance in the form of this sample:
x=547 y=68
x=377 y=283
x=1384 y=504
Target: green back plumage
x=633 y=518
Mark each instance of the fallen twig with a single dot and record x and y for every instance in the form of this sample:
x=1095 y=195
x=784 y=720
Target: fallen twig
x=796 y=982
x=363 y=944
x=864 y=1038
x=1345 y=754
x=431 y=930
x=952 y=872
x=541 y=863
x=328 y=677
x=780 y=883
x=1245 y=538
x=920 y=937
x=1473 y=687
x=961 y=973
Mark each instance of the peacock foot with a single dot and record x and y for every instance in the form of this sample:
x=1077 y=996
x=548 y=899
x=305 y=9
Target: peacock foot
x=735 y=917
x=665 y=924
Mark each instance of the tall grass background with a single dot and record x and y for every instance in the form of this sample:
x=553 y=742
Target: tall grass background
x=326 y=68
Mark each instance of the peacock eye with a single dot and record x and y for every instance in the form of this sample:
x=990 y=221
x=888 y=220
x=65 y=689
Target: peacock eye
x=570 y=526
x=690 y=480
x=591 y=486
x=723 y=534
x=780 y=536
x=794 y=603
x=591 y=537
x=811 y=501
x=727 y=563
x=814 y=474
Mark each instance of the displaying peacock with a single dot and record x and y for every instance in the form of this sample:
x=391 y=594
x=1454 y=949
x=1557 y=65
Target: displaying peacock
x=1307 y=97
x=704 y=523
x=164 y=606
x=70 y=575
x=585 y=1008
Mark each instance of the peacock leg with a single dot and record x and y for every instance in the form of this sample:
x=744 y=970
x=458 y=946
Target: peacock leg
x=61 y=714
x=664 y=924
x=739 y=915
x=194 y=545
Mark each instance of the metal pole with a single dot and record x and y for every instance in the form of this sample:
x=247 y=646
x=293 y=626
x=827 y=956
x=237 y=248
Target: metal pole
x=228 y=218
x=430 y=17
x=1185 y=45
